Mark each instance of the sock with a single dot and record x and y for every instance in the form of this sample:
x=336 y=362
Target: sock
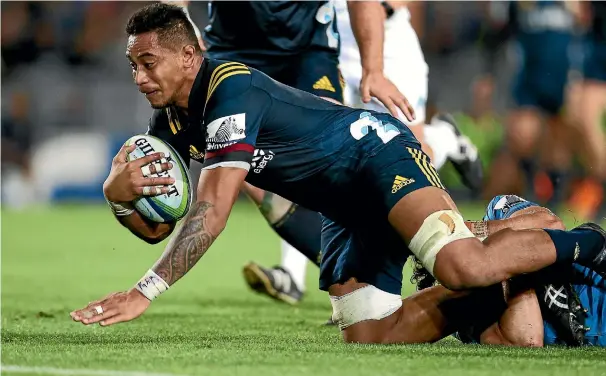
x=301 y=228
x=558 y=181
x=529 y=170
x=442 y=140
x=295 y=263
x=580 y=246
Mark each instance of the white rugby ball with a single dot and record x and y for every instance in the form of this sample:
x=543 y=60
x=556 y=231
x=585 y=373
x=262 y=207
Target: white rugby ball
x=171 y=206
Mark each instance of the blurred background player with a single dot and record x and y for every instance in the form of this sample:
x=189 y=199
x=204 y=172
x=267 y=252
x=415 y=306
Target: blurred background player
x=297 y=44
x=587 y=111
x=544 y=33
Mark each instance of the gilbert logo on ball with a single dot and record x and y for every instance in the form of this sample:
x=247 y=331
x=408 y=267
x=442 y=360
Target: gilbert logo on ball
x=174 y=205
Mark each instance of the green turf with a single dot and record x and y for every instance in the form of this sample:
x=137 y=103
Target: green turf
x=56 y=260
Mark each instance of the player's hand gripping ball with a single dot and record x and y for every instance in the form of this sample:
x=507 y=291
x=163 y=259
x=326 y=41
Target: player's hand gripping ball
x=170 y=206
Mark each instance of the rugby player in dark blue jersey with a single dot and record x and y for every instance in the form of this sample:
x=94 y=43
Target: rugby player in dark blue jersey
x=380 y=197
x=297 y=44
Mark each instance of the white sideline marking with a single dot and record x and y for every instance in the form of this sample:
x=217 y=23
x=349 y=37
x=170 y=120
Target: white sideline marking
x=83 y=371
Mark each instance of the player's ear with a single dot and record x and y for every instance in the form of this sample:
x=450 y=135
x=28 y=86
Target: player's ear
x=189 y=54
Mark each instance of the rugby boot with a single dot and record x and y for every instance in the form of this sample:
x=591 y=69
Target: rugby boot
x=275 y=282
x=561 y=306
x=466 y=161
x=599 y=262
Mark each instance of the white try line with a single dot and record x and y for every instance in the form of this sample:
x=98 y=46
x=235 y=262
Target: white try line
x=83 y=371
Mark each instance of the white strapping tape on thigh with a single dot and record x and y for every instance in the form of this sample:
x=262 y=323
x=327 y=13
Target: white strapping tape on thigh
x=438 y=229
x=366 y=303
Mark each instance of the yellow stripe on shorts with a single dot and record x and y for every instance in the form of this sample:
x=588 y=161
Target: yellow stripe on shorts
x=425 y=167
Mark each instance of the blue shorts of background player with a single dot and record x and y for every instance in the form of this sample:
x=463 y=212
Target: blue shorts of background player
x=594 y=63
x=589 y=285
x=542 y=86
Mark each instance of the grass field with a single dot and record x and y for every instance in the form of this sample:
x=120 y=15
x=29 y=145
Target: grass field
x=55 y=260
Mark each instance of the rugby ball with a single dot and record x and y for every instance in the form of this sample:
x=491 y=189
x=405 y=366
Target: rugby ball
x=171 y=206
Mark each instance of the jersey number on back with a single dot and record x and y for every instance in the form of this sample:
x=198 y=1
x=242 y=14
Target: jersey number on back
x=367 y=122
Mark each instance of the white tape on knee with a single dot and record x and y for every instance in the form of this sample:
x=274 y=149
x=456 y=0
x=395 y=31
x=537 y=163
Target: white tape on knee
x=438 y=229
x=366 y=303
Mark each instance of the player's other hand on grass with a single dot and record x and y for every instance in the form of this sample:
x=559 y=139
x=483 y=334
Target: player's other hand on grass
x=375 y=84
x=129 y=180
x=114 y=308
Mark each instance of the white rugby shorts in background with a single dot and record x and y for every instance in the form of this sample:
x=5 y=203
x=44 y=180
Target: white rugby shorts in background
x=404 y=62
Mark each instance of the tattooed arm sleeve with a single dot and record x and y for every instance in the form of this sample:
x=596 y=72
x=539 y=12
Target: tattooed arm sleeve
x=217 y=191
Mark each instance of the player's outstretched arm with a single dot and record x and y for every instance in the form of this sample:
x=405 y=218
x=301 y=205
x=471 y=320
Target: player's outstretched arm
x=126 y=182
x=217 y=192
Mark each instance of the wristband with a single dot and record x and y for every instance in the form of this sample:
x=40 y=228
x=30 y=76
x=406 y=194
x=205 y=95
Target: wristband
x=479 y=229
x=151 y=285
x=120 y=210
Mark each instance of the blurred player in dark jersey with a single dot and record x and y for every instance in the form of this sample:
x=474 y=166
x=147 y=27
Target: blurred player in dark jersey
x=544 y=32
x=380 y=196
x=588 y=109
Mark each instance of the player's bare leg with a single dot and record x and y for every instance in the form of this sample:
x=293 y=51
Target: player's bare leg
x=592 y=140
x=523 y=130
x=557 y=158
x=466 y=262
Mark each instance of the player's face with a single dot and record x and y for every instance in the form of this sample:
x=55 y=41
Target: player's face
x=156 y=70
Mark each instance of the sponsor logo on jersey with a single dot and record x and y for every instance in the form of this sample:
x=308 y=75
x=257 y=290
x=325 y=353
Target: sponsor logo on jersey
x=194 y=153
x=260 y=159
x=324 y=84
x=226 y=131
x=400 y=182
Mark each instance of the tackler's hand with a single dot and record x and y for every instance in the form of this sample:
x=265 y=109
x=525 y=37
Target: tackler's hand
x=114 y=308
x=375 y=84
x=129 y=180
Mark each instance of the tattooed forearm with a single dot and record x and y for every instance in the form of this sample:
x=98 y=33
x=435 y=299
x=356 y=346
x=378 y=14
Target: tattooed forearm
x=187 y=246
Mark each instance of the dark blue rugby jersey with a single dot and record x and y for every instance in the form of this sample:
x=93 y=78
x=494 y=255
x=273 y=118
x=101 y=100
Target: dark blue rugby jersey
x=273 y=27
x=291 y=142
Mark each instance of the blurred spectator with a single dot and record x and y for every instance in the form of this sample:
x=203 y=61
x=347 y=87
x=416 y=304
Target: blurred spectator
x=16 y=145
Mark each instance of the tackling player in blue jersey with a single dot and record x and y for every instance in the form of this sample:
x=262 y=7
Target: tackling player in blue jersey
x=380 y=196
x=532 y=322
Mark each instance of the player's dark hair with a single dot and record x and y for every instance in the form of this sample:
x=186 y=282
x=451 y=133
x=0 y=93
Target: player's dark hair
x=170 y=23
x=421 y=276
